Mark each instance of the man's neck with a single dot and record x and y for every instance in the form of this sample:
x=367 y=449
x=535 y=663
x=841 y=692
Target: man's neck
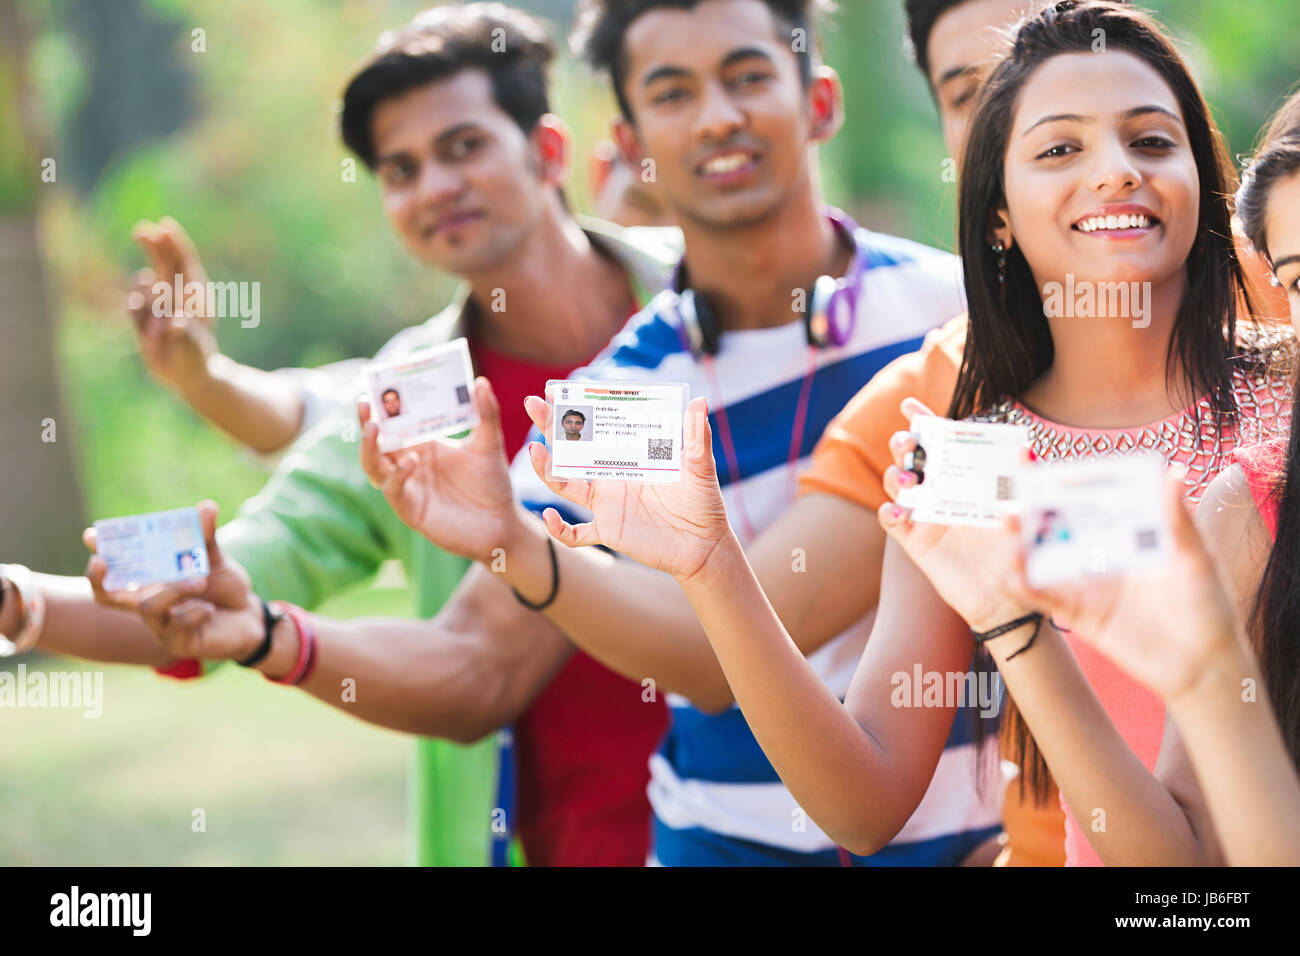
x=752 y=275
x=557 y=300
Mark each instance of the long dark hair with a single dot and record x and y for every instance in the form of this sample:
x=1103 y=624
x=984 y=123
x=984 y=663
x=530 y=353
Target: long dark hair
x=1008 y=341
x=1275 y=620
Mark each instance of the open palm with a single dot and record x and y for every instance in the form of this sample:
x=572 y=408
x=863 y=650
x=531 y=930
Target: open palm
x=455 y=493
x=175 y=343
x=968 y=567
x=210 y=618
x=1160 y=624
x=669 y=527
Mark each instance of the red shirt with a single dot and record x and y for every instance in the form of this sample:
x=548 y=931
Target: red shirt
x=582 y=749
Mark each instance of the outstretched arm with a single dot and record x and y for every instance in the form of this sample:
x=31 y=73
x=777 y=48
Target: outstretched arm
x=1150 y=818
x=633 y=619
x=470 y=670
x=256 y=408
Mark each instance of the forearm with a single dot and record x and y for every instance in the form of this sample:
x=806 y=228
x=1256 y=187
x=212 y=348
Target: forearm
x=1245 y=770
x=256 y=408
x=75 y=625
x=834 y=768
x=471 y=670
x=1093 y=766
x=632 y=619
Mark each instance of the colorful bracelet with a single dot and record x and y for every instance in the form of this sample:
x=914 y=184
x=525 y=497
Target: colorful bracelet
x=306 y=646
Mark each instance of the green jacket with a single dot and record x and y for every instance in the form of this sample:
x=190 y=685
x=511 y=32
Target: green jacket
x=319 y=527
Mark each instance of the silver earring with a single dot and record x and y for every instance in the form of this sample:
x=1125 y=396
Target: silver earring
x=1000 y=251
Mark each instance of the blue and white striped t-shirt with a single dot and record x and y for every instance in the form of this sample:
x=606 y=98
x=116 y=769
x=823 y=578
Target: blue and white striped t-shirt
x=716 y=798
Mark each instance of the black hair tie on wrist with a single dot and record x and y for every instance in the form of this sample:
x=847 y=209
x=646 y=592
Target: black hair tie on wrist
x=1035 y=619
x=269 y=620
x=555 y=582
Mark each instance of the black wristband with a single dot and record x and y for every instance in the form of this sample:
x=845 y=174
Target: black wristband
x=555 y=582
x=269 y=620
x=1034 y=618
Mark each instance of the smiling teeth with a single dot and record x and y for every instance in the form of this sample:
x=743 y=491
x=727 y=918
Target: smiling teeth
x=726 y=164
x=1098 y=223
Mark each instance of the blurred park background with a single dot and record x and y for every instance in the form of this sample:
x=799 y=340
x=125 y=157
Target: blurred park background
x=237 y=140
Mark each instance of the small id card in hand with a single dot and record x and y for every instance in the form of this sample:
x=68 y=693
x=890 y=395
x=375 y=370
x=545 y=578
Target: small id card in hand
x=158 y=548
x=1095 y=516
x=616 y=431
x=966 y=471
x=422 y=396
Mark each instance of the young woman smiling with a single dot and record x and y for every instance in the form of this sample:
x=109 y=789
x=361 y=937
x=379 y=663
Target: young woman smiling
x=1175 y=628
x=1065 y=133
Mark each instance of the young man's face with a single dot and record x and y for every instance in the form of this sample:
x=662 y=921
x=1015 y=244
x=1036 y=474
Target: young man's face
x=458 y=176
x=717 y=103
x=572 y=425
x=392 y=404
x=963 y=46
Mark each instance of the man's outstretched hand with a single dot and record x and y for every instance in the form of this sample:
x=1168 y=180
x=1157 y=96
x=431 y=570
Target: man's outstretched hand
x=212 y=618
x=175 y=342
x=454 y=492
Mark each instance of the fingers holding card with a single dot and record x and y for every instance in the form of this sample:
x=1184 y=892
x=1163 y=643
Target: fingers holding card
x=625 y=431
x=422 y=396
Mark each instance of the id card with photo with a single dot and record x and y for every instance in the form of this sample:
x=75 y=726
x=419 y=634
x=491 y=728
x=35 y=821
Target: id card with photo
x=157 y=548
x=422 y=396
x=616 y=431
x=1096 y=516
x=967 y=471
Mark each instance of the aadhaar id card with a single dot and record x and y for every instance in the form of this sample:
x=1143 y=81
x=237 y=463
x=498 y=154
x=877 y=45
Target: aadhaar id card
x=617 y=431
x=967 y=471
x=422 y=396
x=157 y=548
x=1096 y=516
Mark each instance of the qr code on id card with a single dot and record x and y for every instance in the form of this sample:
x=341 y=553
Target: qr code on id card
x=462 y=394
x=659 y=449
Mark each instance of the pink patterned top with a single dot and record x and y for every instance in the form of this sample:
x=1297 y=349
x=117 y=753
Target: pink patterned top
x=1264 y=404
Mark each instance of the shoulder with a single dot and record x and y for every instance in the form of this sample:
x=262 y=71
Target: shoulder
x=648 y=253
x=881 y=250
x=646 y=340
x=907 y=283
x=929 y=374
x=1229 y=518
x=434 y=331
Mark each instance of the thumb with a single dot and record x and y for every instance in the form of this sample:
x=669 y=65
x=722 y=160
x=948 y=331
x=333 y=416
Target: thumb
x=699 y=437
x=1182 y=528
x=540 y=412
x=914 y=407
x=489 y=412
x=208 y=522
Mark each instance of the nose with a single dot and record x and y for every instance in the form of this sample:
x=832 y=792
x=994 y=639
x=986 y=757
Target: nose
x=1115 y=170
x=718 y=117
x=437 y=184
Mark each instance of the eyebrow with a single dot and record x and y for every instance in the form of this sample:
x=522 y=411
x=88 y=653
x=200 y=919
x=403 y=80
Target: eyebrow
x=956 y=73
x=1285 y=261
x=440 y=138
x=731 y=59
x=1129 y=114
